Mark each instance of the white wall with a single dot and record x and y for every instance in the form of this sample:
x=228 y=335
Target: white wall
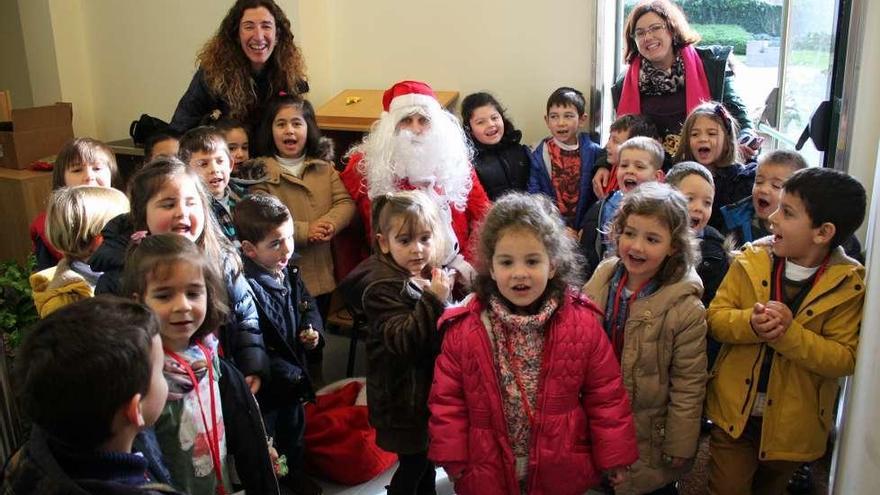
x=116 y=59
x=39 y=46
x=521 y=50
x=13 y=61
x=866 y=118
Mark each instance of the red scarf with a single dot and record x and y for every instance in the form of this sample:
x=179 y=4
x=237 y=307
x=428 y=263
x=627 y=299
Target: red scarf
x=630 y=98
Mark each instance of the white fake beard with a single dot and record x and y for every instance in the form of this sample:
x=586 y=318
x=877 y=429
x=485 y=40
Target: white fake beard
x=416 y=158
x=427 y=162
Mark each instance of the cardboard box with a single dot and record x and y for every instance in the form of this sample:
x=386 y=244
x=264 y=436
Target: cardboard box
x=23 y=194
x=34 y=133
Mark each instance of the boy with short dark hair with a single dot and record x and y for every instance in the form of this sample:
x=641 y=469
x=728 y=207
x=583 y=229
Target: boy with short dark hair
x=641 y=160
x=204 y=150
x=290 y=322
x=625 y=127
x=90 y=378
x=562 y=164
x=788 y=317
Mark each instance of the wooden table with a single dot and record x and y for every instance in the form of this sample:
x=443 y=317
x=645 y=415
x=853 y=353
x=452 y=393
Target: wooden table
x=336 y=115
x=23 y=194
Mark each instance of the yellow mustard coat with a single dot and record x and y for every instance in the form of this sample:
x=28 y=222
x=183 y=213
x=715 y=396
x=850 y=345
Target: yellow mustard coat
x=818 y=348
x=664 y=370
x=318 y=195
x=58 y=286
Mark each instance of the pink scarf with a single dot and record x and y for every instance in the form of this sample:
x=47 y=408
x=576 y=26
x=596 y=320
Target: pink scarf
x=630 y=99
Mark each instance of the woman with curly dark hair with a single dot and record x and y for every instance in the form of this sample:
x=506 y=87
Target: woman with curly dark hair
x=251 y=58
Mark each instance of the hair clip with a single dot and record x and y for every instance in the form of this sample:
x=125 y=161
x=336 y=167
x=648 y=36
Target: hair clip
x=282 y=93
x=721 y=111
x=138 y=236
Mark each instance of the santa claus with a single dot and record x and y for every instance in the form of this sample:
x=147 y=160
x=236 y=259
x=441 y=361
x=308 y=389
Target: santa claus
x=416 y=144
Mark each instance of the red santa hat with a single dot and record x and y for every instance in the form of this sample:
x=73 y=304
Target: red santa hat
x=409 y=94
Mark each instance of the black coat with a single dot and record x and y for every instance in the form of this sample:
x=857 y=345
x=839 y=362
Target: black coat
x=199 y=101
x=109 y=258
x=402 y=345
x=245 y=433
x=503 y=167
x=719 y=75
x=713 y=267
x=285 y=308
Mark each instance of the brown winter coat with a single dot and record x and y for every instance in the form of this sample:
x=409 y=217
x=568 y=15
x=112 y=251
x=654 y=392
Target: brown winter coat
x=319 y=195
x=402 y=344
x=664 y=371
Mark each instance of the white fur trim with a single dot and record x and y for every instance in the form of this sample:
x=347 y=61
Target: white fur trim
x=413 y=100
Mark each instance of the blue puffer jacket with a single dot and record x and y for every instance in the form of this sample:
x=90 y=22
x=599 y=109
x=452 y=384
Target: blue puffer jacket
x=285 y=308
x=240 y=339
x=540 y=182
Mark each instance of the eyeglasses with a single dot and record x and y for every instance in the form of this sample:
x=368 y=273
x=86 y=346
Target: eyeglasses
x=653 y=29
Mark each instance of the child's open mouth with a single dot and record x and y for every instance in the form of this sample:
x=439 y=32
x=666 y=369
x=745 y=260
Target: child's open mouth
x=521 y=288
x=636 y=259
x=695 y=222
x=630 y=184
x=181 y=229
x=703 y=153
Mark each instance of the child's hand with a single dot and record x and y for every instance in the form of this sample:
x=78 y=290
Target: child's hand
x=600 y=182
x=321 y=231
x=765 y=323
x=254 y=382
x=781 y=314
x=309 y=338
x=441 y=283
x=616 y=476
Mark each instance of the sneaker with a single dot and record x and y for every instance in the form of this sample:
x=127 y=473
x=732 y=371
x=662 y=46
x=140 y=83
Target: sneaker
x=801 y=482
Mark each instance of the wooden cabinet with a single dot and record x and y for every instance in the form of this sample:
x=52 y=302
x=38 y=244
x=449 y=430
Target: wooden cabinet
x=23 y=194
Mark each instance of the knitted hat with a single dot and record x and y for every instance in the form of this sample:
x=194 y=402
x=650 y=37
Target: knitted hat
x=409 y=94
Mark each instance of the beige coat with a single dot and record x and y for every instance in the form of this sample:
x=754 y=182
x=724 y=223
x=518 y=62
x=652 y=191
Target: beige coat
x=319 y=195
x=664 y=371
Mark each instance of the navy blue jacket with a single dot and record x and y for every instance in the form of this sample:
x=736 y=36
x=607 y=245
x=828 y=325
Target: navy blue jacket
x=285 y=308
x=732 y=184
x=540 y=181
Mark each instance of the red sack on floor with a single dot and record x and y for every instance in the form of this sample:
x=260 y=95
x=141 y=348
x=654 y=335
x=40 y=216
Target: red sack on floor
x=340 y=443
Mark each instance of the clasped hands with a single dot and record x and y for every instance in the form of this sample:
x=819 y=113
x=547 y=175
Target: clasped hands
x=770 y=321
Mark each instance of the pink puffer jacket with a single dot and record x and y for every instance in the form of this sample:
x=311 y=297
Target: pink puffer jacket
x=583 y=422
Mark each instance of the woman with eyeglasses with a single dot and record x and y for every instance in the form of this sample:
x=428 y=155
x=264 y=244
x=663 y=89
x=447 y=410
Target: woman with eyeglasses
x=668 y=76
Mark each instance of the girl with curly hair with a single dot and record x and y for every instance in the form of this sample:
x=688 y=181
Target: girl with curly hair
x=251 y=58
x=527 y=395
x=650 y=297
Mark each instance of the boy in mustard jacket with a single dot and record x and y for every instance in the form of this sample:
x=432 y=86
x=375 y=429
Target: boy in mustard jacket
x=788 y=316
